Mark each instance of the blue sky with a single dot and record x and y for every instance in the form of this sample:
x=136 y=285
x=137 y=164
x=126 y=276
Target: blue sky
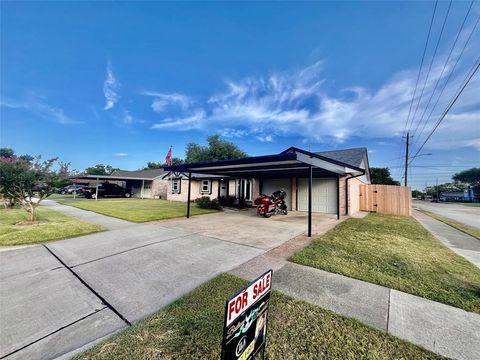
x=119 y=82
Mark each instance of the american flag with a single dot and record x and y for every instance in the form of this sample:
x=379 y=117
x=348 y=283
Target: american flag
x=168 y=158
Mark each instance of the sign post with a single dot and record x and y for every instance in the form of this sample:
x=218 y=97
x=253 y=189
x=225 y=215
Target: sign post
x=246 y=314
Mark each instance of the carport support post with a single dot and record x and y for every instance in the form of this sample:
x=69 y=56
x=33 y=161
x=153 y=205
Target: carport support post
x=310 y=176
x=96 y=190
x=338 y=197
x=188 y=194
x=143 y=186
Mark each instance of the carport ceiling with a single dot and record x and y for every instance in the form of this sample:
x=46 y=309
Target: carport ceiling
x=294 y=163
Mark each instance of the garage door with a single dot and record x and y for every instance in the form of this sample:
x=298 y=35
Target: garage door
x=271 y=185
x=324 y=195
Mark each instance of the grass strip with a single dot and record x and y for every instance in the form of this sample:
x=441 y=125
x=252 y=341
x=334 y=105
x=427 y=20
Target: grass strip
x=52 y=225
x=469 y=230
x=138 y=210
x=399 y=253
x=191 y=329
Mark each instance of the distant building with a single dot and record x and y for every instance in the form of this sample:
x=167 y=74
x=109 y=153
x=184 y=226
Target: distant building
x=466 y=195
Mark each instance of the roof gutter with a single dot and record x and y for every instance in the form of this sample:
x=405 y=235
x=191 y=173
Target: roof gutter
x=346 y=189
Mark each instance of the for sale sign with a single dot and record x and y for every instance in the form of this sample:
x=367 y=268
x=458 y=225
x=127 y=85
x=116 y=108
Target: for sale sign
x=246 y=313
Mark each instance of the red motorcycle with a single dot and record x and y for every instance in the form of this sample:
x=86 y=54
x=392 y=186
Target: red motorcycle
x=271 y=205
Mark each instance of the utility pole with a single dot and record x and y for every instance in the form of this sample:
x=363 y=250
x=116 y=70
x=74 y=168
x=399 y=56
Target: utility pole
x=406 y=157
x=437 y=187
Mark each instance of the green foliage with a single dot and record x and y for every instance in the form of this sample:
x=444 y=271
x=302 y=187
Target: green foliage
x=417 y=193
x=6 y=153
x=155 y=165
x=206 y=203
x=432 y=190
x=24 y=178
x=228 y=200
x=217 y=149
x=470 y=176
x=382 y=176
x=100 y=169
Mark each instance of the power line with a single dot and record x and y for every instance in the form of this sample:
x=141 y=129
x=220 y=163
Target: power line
x=447 y=81
x=421 y=66
x=431 y=62
x=444 y=66
x=475 y=67
x=418 y=78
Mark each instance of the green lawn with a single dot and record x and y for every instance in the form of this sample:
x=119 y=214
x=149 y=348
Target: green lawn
x=191 y=329
x=396 y=252
x=471 y=204
x=53 y=226
x=64 y=197
x=138 y=210
x=455 y=224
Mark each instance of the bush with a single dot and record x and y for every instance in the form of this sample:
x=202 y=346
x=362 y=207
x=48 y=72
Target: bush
x=205 y=203
x=228 y=200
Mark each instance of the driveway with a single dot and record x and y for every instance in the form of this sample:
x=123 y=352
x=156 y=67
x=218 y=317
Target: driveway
x=59 y=297
x=469 y=215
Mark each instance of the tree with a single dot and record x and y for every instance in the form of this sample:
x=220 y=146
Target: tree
x=6 y=153
x=26 y=180
x=217 y=149
x=382 y=176
x=470 y=176
x=155 y=165
x=99 y=169
x=417 y=194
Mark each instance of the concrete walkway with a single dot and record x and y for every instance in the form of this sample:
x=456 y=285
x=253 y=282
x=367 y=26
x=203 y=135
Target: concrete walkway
x=107 y=222
x=440 y=328
x=64 y=296
x=458 y=241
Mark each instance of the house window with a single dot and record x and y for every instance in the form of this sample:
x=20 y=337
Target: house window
x=205 y=187
x=176 y=186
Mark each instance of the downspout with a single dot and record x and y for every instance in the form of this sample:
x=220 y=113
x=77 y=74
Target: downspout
x=346 y=190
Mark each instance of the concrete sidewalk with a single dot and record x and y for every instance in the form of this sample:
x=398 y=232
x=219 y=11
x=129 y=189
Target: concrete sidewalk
x=458 y=241
x=440 y=328
x=107 y=222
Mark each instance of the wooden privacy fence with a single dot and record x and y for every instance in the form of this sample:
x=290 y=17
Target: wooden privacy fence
x=386 y=199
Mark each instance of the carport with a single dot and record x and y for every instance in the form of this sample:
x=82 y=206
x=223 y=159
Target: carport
x=293 y=162
x=132 y=182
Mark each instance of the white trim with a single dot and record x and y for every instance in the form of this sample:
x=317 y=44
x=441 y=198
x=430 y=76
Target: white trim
x=177 y=183
x=208 y=184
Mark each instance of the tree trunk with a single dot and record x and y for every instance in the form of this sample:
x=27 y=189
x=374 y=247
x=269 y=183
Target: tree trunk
x=33 y=214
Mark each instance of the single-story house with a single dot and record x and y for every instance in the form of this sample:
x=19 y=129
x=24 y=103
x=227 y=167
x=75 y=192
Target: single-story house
x=144 y=183
x=335 y=176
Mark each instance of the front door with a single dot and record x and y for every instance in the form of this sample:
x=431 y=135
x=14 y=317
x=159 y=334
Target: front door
x=223 y=188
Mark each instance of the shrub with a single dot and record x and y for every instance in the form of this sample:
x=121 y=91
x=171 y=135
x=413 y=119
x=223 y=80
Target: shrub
x=228 y=200
x=205 y=203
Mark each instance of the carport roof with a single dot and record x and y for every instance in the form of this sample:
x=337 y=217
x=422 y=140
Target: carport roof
x=291 y=162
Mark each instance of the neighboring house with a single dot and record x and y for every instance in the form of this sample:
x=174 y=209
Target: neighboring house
x=466 y=195
x=144 y=183
x=337 y=176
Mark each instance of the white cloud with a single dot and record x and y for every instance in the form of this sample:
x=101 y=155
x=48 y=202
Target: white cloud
x=162 y=101
x=127 y=117
x=297 y=104
x=38 y=106
x=190 y=122
x=266 y=138
x=120 y=155
x=110 y=88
